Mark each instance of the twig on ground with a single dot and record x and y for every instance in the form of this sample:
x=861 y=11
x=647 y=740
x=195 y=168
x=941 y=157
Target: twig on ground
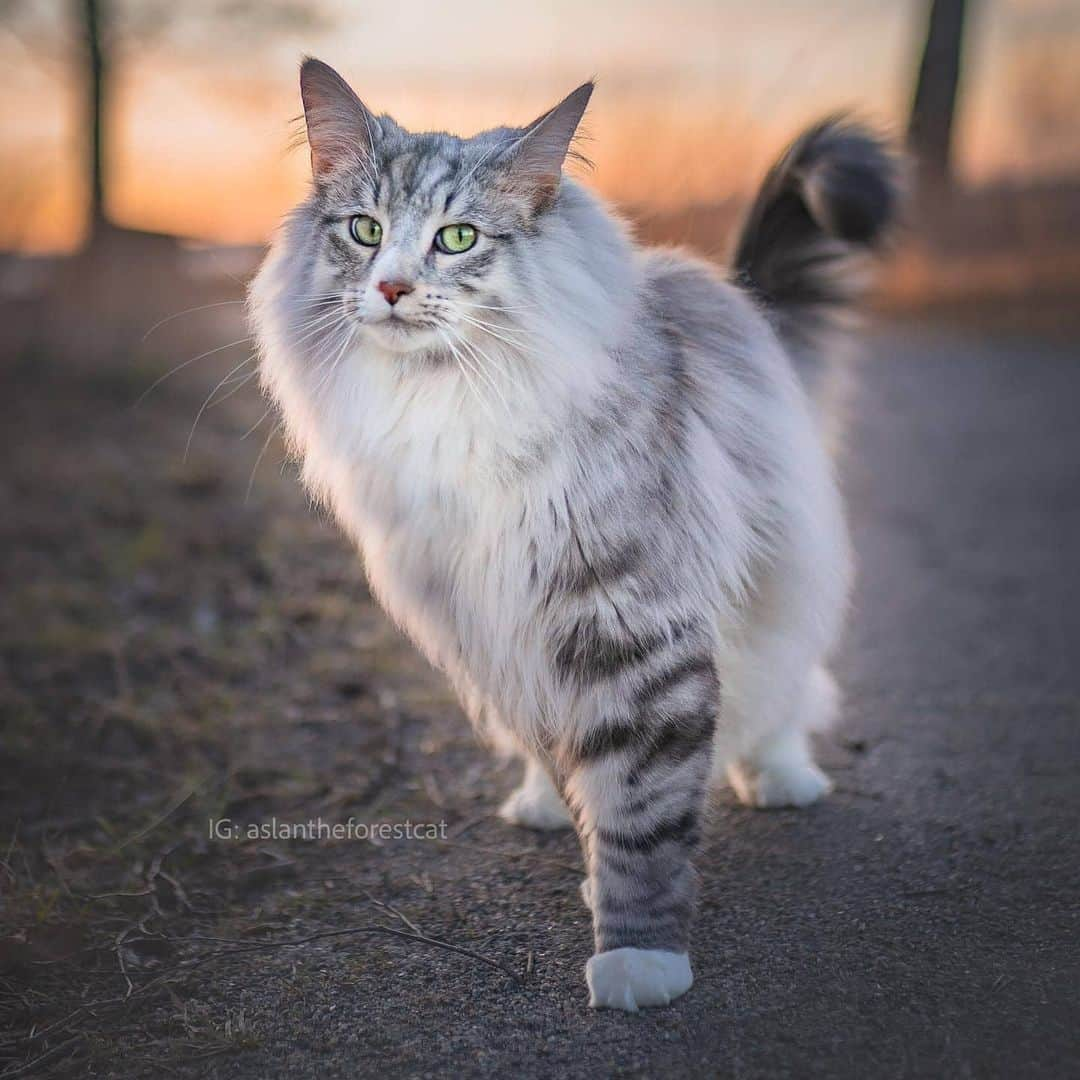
x=394 y=911
x=157 y=821
x=469 y=823
x=30 y=1066
x=118 y=948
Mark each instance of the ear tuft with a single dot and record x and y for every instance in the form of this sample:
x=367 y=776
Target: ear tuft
x=340 y=128
x=535 y=161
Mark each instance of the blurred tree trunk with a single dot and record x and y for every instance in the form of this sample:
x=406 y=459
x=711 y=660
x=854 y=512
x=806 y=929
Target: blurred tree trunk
x=93 y=15
x=933 y=109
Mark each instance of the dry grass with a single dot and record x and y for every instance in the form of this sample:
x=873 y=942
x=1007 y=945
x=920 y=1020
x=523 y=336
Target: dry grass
x=171 y=653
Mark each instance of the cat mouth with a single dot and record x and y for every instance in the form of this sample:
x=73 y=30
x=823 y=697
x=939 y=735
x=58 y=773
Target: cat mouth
x=398 y=324
x=400 y=334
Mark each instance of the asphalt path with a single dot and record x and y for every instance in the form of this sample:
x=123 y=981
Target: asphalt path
x=921 y=922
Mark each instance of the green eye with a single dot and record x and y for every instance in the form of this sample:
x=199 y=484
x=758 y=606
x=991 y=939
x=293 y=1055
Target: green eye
x=365 y=230
x=454 y=239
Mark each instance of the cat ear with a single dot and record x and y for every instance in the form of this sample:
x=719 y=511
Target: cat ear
x=341 y=130
x=534 y=163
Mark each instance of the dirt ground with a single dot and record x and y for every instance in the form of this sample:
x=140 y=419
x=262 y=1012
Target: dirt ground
x=187 y=641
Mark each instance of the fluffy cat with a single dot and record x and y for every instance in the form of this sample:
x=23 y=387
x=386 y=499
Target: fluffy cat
x=582 y=474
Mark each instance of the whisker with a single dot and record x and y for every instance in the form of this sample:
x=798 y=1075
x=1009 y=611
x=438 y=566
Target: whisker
x=337 y=295
x=473 y=350
x=316 y=318
x=485 y=328
x=188 y=311
x=303 y=301
x=336 y=362
x=369 y=165
x=483 y=157
x=262 y=453
x=257 y=423
x=180 y=367
x=480 y=399
x=206 y=403
x=316 y=302
x=240 y=384
x=462 y=367
x=489 y=321
x=505 y=367
x=324 y=350
x=500 y=307
x=325 y=325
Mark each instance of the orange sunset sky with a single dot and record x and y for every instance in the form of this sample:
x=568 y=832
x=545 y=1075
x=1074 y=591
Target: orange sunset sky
x=694 y=96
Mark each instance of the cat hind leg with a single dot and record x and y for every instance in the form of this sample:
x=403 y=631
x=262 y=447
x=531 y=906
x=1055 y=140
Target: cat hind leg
x=778 y=768
x=536 y=804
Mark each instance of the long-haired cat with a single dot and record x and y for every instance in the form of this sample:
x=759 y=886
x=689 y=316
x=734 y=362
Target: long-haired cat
x=581 y=473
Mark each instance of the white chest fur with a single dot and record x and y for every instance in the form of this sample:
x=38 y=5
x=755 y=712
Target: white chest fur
x=426 y=478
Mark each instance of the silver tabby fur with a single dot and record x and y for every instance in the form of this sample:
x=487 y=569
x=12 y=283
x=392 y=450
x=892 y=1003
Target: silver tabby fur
x=582 y=474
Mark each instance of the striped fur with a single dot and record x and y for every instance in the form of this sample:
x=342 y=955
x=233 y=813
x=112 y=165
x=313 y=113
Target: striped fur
x=584 y=480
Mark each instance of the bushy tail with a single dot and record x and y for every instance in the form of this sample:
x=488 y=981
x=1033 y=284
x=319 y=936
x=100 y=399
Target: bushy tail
x=827 y=203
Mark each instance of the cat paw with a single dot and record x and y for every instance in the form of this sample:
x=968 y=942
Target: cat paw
x=535 y=808
x=779 y=785
x=632 y=979
x=586 y=892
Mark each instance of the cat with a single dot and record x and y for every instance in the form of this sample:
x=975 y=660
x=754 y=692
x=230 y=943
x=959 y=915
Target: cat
x=582 y=474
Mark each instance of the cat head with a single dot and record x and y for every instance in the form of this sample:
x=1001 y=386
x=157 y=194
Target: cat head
x=425 y=237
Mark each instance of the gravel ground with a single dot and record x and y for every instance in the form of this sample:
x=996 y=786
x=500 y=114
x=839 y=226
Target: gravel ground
x=172 y=653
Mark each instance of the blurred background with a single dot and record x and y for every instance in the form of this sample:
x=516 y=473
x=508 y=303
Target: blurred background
x=181 y=637
x=172 y=119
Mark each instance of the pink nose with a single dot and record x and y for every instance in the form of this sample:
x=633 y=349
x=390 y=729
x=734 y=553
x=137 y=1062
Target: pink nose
x=394 y=290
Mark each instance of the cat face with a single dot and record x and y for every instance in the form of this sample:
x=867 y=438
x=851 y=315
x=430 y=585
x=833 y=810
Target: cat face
x=424 y=236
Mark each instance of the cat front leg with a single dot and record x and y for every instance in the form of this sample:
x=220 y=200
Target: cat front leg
x=637 y=792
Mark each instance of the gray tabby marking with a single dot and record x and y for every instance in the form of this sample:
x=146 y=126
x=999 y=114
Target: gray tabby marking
x=581 y=473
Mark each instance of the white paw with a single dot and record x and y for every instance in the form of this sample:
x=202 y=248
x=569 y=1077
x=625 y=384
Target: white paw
x=632 y=979
x=586 y=892
x=535 y=808
x=779 y=785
